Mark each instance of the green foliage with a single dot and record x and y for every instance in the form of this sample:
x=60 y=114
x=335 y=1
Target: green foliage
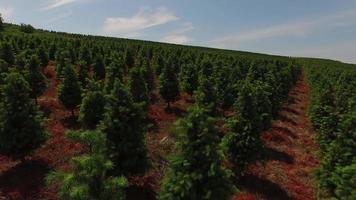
x=37 y=81
x=195 y=171
x=83 y=74
x=6 y=53
x=205 y=96
x=26 y=28
x=99 y=68
x=69 y=91
x=89 y=178
x=168 y=84
x=189 y=78
x=114 y=71
x=124 y=125
x=21 y=129
x=43 y=56
x=138 y=86
x=92 y=107
x=333 y=115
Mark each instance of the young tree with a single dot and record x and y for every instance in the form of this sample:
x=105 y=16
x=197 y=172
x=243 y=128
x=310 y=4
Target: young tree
x=6 y=53
x=89 y=178
x=196 y=171
x=83 y=73
x=206 y=95
x=35 y=78
x=168 y=85
x=115 y=70
x=138 y=86
x=92 y=107
x=124 y=126
x=43 y=56
x=21 y=129
x=69 y=92
x=147 y=74
x=99 y=68
x=189 y=78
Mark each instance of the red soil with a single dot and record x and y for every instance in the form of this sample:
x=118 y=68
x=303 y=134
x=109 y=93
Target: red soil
x=287 y=173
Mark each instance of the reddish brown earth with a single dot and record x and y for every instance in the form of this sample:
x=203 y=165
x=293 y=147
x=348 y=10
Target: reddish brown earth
x=287 y=172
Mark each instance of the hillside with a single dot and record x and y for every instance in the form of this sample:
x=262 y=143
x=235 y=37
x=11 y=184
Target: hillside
x=91 y=117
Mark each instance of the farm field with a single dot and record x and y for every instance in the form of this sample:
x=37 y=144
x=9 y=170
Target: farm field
x=94 y=117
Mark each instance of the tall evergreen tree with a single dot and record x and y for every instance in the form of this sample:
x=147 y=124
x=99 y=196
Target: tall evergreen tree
x=168 y=85
x=89 y=178
x=115 y=70
x=6 y=53
x=43 y=56
x=69 y=91
x=92 y=107
x=195 y=172
x=35 y=78
x=83 y=73
x=99 y=68
x=138 y=86
x=21 y=129
x=125 y=128
x=189 y=78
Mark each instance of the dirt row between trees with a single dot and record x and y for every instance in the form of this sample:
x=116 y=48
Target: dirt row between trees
x=287 y=172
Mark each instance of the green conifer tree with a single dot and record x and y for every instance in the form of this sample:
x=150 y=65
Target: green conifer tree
x=36 y=79
x=168 y=85
x=124 y=125
x=92 y=107
x=69 y=91
x=21 y=129
x=195 y=172
x=89 y=178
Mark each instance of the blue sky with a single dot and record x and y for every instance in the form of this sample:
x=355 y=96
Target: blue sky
x=314 y=28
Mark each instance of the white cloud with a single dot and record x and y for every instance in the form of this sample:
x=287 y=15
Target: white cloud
x=179 y=36
x=176 y=39
x=58 y=3
x=132 y=26
x=7 y=13
x=292 y=29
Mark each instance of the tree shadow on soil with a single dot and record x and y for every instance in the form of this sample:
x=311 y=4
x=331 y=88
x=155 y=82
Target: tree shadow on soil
x=284 y=130
x=272 y=154
x=262 y=187
x=285 y=118
x=24 y=179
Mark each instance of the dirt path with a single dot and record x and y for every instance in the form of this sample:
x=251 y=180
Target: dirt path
x=287 y=173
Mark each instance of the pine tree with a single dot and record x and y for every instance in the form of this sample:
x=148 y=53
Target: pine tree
x=35 y=78
x=69 y=92
x=89 y=178
x=168 y=85
x=138 y=86
x=4 y=68
x=99 y=68
x=195 y=172
x=124 y=125
x=21 y=129
x=115 y=70
x=43 y=56
x=148 y=74
x=189 y=78
x=6 y=53
x=83 y=73
x=206 y=95
x=92 y=107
